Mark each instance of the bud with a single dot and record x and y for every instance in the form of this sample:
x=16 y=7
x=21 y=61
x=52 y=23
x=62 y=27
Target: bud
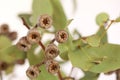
x=12 y=35
x=68 y=78
x=33 y=36
x=51 y=51
x=52 y=66
x=23 y=44
x=61 y=36
x=45 y=21
x=4 y=29
x=3 y=65
x=33 y=72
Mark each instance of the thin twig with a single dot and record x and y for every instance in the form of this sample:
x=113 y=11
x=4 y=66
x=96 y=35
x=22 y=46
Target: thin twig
x=52 y=41
x=41 y=44
x=24 y=23
x=41 y=63
x=118 y=74
x=59 y=75
x=111 y=22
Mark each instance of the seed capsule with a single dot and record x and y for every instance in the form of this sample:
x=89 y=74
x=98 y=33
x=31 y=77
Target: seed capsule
x=23 y=44
x=68 y=78
x=45 y=21
x=3 y=65
x=52 y=66
x=33 y=72
x=51 y=51
x=12 y=35
x=33 y=36
x=61 y=36
x=4 y=29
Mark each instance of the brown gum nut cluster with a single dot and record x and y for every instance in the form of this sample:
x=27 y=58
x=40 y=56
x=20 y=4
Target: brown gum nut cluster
x=23 y=44
x=61 y=36
x=51 y=51
x=33 y=72
x=52 y=66
x=33 y=36
x=45 y=21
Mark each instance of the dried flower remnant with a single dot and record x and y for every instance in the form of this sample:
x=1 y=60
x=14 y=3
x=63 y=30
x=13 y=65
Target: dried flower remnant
x=23 y=44
x=33 y=72
x=52 y=66
x=3 y=65
x=51 y=51
x=12 y=35
x=4 y=29
x=61 y=36
x=45 y=21
x=33 y=36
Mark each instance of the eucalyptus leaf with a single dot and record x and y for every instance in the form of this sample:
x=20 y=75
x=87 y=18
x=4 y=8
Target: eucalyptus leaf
x=4 y=42
x=101 y=18
x=11 y=54
x=59 y=17
x=117 y=19
x=93 y=40
x=40 y=7
x=26 y=17
x=100 y=33
x=90 y=76
x=32 y=58
x=97 y=59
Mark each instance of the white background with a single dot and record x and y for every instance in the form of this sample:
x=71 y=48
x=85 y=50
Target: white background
x=84 y=21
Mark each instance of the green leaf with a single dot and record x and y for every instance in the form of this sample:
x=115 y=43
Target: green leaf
x=93 y=40
x=4 y=42
x=11 y=54
x=45 y=75
x=102 y=18
x=40 y=7
x=90 y=76
x=34 y=59
x=59 y=18
x=63 y=51
x=100 y=32
x=117 y=19
x=97 y=59
x=26 y=17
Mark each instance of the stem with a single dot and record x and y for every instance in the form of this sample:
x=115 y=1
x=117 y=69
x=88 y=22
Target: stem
x=24 y=23
x=41 y=63
x=41 y=44
x=59 y=75
x=111 y=22
x=52 y=41
x=118 y=74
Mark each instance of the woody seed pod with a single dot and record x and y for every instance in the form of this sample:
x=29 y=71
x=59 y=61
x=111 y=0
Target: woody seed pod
x=52 y=66
x=3 y=65
x=33 y=72
x=51 y=51
x=4 y=29
x=61 y=36
x=33 y=36
x=23 y=44
x=12 y=35
x=68 y=78
x=45 y=21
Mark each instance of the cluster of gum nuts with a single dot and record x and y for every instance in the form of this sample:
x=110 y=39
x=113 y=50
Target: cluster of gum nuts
x=50 y=51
